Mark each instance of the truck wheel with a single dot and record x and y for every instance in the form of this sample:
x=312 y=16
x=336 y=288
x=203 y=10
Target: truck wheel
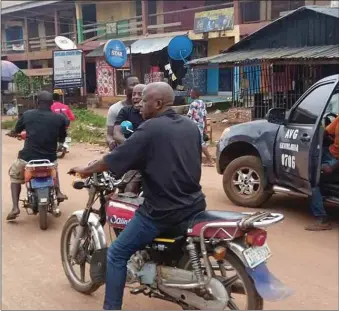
x=244 y=182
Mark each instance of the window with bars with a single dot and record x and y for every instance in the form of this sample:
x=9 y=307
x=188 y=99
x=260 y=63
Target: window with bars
x=279 y=6
x=249 y=11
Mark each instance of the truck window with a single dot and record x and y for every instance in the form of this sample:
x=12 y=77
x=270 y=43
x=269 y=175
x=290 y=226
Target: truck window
x=312 y=106
x=333 y=105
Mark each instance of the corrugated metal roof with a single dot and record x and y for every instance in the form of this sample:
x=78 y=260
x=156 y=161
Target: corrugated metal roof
x=146 y=46
x=141 y=46
x=38 y=72
x=310 y=52
x=333 y=12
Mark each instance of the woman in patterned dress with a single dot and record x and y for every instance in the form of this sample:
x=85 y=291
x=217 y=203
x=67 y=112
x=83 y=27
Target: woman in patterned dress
x=197 y=112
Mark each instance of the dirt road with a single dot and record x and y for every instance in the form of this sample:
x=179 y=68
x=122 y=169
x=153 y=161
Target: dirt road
x=32 y=276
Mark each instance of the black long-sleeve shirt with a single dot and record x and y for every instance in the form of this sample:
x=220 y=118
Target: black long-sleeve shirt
x=167 y=152
x=44 y=130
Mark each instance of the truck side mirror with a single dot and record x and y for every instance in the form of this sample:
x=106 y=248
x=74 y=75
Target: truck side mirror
x=276 y=116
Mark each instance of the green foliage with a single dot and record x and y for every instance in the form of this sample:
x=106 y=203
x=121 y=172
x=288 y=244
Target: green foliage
x=90 y=118
x=8 y=124
x=88 y=127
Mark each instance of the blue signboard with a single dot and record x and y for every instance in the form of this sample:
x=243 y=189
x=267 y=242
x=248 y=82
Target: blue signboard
x=115 y=53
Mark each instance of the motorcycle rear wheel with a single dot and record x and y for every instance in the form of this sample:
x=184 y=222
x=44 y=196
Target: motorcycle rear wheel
x=42 y=216
x=254 y=300
x=79 y=285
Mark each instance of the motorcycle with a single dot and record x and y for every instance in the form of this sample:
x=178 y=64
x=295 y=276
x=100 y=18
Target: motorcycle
x=62 y=149
x=40 y=180
x=200 y=264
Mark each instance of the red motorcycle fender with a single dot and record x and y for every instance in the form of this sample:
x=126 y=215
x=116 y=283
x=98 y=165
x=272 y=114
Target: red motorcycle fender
x=97 y=231
x=267 y=285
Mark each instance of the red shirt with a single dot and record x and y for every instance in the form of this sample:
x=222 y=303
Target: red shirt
x=58 y=107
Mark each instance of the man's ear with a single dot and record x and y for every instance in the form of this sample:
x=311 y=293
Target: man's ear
x=159 y=104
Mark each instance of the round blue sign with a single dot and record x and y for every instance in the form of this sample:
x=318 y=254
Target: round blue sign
x=180 y=47
x=115 y=53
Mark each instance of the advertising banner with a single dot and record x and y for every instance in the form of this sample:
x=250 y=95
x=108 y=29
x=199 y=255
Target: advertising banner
x=67 y=69
x=214 y=20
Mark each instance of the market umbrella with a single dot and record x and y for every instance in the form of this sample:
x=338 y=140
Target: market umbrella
x=8 y=70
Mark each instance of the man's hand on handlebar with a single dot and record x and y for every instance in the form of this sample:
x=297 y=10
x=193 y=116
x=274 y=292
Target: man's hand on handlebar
x=12 y=134
x=81 y=171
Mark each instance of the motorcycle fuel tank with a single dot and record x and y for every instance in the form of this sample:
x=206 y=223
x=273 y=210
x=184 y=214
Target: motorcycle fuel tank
x=120 y=210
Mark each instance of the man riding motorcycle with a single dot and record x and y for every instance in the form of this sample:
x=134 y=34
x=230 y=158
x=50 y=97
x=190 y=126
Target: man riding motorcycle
x=330 y=163
x=166 y=149
x=133 y=115
x=43 y=129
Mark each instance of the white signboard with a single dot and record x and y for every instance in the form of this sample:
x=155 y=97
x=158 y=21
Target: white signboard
x=334 y=4
x=67 y=69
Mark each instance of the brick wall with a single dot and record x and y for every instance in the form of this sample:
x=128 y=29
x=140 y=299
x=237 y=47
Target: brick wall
x=239 y=115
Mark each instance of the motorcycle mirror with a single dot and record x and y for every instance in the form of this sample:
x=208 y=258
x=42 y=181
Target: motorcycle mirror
x=126 y=127
x=78 y=184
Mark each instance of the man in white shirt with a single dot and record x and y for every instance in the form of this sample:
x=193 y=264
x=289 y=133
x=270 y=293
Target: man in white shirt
x=129 y=83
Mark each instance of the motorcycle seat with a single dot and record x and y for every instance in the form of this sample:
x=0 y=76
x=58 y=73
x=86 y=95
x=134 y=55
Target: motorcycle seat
x=209 y=216
x=202 y=217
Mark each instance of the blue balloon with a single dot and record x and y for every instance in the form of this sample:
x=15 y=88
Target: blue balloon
x=115 y=53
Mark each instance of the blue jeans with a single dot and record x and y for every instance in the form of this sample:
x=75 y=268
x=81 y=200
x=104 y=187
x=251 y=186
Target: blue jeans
x=317 y=204
x=139 y=232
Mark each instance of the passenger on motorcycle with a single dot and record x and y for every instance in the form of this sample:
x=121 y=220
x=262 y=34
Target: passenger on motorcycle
x=132 y=114
x=59 y=107
x=44 y=129
x=166 y=149
x=129 y=83
x=330 y=163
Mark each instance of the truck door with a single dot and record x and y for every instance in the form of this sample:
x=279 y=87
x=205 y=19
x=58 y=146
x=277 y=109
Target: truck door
x=297 y=149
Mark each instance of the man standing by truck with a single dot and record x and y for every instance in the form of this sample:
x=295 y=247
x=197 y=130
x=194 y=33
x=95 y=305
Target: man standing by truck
x=330 y=163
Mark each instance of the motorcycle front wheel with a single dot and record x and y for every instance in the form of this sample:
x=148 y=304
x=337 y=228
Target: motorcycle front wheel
x=239 y=285
x=82 y=260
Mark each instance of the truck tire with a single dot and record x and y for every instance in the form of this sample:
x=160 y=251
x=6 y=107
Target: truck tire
x=244 y=182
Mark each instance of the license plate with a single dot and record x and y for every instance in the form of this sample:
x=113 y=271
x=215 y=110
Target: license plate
x=37 y=183
x=256 y=255
x=68 y=140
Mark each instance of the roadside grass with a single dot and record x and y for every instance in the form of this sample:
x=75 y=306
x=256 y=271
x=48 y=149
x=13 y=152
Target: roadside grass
x=8 y=124
x=88 y=127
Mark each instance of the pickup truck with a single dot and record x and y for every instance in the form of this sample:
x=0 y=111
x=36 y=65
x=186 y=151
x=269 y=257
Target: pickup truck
x=282 y=153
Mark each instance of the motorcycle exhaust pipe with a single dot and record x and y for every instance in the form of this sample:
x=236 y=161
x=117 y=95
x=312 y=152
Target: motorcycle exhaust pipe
x=57 y=212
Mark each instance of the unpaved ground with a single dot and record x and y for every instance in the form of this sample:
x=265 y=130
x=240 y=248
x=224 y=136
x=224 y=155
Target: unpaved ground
x=32 y=276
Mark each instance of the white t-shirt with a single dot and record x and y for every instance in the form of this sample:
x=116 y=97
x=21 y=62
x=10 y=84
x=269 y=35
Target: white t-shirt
x=113 y=112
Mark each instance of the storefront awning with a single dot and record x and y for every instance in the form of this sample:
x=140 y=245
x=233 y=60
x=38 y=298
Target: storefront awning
x=141 y=46
x=245 y=56
x=150 y=45
x=99 y=51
